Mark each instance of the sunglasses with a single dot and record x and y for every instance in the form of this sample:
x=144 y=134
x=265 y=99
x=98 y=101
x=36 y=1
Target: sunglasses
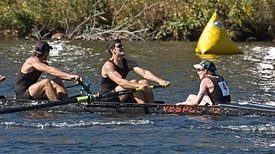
x=119 y=46
x=200 y=69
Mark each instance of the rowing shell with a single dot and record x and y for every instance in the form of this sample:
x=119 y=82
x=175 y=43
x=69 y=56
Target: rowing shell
x=232 y=109
x=133 y=108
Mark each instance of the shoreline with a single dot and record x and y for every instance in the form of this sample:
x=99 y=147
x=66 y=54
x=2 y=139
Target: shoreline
x=13 y=35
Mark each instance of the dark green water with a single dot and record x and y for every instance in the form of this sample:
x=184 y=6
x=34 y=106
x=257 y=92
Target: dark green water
x=251 y=77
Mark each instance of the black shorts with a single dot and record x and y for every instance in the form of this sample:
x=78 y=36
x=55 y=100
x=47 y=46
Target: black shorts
x=23 y=95
x=129 y=98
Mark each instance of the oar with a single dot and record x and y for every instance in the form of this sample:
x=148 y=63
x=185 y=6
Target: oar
x=249 y=107
x=123 y=92
x=71 y=86
x=83 y=85
x=86 y=87
x=39 y=106
x=79 y=99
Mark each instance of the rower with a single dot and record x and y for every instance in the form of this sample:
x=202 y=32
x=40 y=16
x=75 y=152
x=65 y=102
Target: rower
x=213 y=88
x=2 y=78
x=27 y=85
x=114 y=73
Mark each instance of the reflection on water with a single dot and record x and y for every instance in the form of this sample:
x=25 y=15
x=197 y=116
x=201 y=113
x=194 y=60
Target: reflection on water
x=211 y=57
x=261 y=69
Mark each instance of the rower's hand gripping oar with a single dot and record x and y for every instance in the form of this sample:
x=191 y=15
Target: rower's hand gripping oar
x=79 y=99
x=84 y=87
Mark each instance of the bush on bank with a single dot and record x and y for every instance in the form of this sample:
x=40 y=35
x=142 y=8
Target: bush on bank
x=142 y=19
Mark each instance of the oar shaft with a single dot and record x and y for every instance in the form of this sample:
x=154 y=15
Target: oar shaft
x=39 y=106
x=86 y=88
x=83 y=85
x=71 y=100
x=123 y=92
x=71 y=86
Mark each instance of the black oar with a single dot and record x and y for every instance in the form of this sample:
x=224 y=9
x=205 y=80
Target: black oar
x=83 y=85
x=123 y=92
x=79 y=99
x=39 y=106
x=86 y=87
x=71 y=86
x=251 y=107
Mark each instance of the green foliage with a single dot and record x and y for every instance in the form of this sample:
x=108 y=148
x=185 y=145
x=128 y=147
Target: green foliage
x=160 y=19
x=14 y=17
x=251 y=18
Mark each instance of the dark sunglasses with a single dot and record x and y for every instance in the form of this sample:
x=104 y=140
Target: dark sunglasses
x=200 y=69
x=119 y=46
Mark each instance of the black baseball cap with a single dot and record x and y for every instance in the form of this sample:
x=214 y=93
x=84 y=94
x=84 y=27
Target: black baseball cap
x=43 y=47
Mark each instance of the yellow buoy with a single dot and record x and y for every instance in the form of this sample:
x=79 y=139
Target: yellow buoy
x=215 y=40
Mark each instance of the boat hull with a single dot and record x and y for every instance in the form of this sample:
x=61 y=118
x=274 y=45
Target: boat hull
x=219 y=110
x=232 y=109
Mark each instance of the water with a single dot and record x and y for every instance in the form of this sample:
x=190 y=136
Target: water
x=251 y=77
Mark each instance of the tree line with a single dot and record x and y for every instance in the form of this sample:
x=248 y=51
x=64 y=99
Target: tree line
x=135 y=19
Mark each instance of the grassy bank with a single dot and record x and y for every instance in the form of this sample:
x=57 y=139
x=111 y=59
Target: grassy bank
x=135 y=19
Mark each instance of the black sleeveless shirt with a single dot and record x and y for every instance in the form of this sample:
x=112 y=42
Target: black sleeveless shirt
x=24 y=81
x=107 y=84
x=221 y=93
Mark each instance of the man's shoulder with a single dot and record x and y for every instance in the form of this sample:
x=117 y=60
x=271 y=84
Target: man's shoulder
x=108 y=65
x=32 y=59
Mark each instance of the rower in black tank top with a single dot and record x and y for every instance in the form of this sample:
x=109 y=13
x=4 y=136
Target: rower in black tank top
x=108 y=85
x=221 y=93
x=24 y=81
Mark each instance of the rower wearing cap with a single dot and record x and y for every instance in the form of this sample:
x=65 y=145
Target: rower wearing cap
x=114 y=73
x=27 y=85
x=213 y=88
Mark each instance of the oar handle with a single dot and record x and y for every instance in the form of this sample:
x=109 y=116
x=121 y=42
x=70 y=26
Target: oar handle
x=150 y=87
x=123 y=92
x=84 y=86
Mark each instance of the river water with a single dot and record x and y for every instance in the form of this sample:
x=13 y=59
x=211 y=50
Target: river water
x=251 y=77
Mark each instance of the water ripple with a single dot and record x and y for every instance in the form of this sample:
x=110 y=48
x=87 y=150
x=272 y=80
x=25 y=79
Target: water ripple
x=267 y=128
x=80 y=123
